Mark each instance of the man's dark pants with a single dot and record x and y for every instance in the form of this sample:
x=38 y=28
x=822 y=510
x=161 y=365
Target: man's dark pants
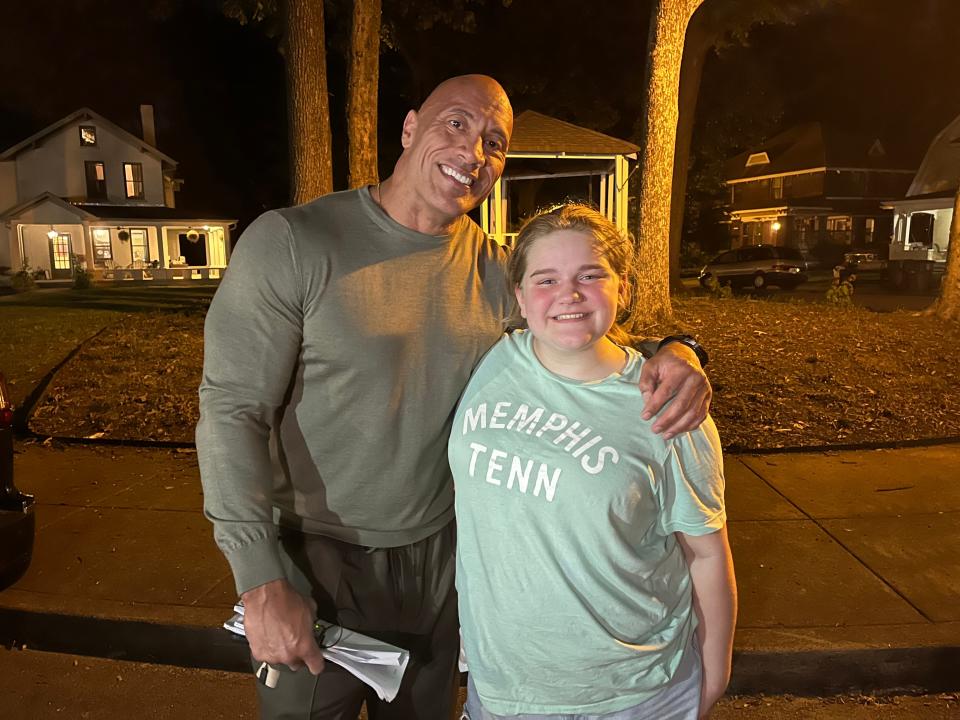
x=404 y=596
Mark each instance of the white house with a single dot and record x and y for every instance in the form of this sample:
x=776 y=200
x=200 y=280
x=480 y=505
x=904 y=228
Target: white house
x=85 y=192
x=921 y=231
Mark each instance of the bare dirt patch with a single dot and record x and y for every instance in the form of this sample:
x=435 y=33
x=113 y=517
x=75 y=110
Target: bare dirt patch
x=801 y=374
x=784 y=374
x=135 y=381
x=33 y=342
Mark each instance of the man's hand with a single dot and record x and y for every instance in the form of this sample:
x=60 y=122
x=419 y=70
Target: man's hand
x=279 y=625
x=675 y=372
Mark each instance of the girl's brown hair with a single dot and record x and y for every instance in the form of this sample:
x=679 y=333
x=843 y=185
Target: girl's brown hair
x=614 y=245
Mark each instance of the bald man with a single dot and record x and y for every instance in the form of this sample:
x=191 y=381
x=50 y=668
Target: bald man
x=336 y=349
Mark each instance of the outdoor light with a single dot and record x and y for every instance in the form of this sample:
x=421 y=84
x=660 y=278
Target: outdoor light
x=52 y=234
x=776 y=226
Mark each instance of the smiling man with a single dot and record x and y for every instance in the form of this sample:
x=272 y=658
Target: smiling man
x=336 y=349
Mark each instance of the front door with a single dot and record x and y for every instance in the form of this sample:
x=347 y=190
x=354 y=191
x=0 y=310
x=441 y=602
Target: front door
x=60 y=266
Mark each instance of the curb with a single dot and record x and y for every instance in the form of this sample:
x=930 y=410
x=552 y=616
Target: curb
x=923 y=669
x=821 y=672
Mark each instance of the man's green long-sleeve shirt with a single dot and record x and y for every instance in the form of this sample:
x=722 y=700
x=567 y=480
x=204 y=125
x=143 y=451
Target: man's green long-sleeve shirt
x=336 y=349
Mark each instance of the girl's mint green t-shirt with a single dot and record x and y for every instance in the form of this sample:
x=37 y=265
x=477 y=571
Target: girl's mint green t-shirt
x=574 y=593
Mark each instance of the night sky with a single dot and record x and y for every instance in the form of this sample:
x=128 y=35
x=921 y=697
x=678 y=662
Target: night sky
x=884 y=66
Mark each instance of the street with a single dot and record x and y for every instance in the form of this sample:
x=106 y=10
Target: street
x=43 y=686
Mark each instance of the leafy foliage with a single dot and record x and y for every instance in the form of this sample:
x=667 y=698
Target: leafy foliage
x=841 y=291
x=718 y=290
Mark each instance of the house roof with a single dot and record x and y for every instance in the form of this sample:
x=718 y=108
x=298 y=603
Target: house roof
x=814 y=145
x=940 y=169
x=20 y=208
x=535 y=132
x=92 y=213
x=148 y=212
x=86 y=114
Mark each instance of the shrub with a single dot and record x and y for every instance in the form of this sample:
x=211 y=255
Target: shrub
x=691 y=255
x=81 y=278
x=841 y=291
x=24 y=279
x=716 y=290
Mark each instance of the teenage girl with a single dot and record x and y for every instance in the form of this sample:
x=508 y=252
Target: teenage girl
x=593 y=568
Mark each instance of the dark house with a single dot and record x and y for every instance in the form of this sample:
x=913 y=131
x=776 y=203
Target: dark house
x=817 y=189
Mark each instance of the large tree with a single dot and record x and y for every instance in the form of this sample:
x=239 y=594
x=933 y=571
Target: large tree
x=308 y=103
x=363 y=82
x=668 y=26
x=947 y=306
x=300 y=24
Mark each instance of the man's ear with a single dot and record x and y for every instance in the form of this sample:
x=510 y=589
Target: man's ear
x=409 y=129
x=519 y=293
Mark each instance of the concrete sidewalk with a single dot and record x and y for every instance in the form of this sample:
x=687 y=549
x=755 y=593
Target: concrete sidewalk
x=847 y=564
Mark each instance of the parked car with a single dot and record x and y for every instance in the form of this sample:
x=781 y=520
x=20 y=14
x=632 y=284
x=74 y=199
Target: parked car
x=17 y=521
x=757 y=266
x=863 y=262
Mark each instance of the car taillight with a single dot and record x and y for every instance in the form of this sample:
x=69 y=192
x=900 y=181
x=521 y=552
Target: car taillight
x=6 y=417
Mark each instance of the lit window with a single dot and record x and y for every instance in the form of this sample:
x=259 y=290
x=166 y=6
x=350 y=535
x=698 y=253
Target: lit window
x=60 y=253
x=138 y=246
x=102 y=249
x=760 y=158
x=133 y=180
x=88 y=136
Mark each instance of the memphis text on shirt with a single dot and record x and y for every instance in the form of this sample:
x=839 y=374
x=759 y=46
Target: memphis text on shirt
x=572 y=437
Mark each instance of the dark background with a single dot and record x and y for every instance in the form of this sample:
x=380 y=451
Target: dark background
x=877 y=66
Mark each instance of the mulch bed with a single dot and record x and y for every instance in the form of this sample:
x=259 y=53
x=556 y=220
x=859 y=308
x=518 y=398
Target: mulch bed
x=784 y=375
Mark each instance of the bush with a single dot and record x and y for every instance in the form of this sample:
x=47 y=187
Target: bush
x=828 y=254
x=691 y=255
x=841 y=291
x=24 y=279
x=716 y=290
x=81 y=278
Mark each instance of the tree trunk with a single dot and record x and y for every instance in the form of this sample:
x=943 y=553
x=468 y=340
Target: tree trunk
x=363 y=81
x=308 y=106
x=947 y=306
x=699 y=40
x=665 y=49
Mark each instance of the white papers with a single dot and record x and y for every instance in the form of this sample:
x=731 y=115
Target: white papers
x=378 y=664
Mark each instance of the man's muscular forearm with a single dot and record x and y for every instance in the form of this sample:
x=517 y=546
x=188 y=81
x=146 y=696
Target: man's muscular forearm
x=279 y=626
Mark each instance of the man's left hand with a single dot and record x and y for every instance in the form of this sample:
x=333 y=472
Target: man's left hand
x=675 y=372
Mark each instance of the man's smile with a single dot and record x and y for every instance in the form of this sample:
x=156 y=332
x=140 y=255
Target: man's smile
x=456 y=175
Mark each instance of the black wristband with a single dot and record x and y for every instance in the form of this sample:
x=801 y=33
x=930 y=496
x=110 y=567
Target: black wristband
x=690 y=342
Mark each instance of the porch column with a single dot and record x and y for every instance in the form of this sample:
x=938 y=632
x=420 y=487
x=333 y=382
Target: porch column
x=161 y=242
x=496 y=213
x=88 y=245
x=621 y=183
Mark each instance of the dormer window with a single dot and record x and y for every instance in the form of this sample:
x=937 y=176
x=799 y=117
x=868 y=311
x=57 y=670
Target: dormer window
x=88 y=136
x=760 y=158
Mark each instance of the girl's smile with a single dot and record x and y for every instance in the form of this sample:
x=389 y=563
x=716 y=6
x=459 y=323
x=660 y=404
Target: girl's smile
x=569 y=296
